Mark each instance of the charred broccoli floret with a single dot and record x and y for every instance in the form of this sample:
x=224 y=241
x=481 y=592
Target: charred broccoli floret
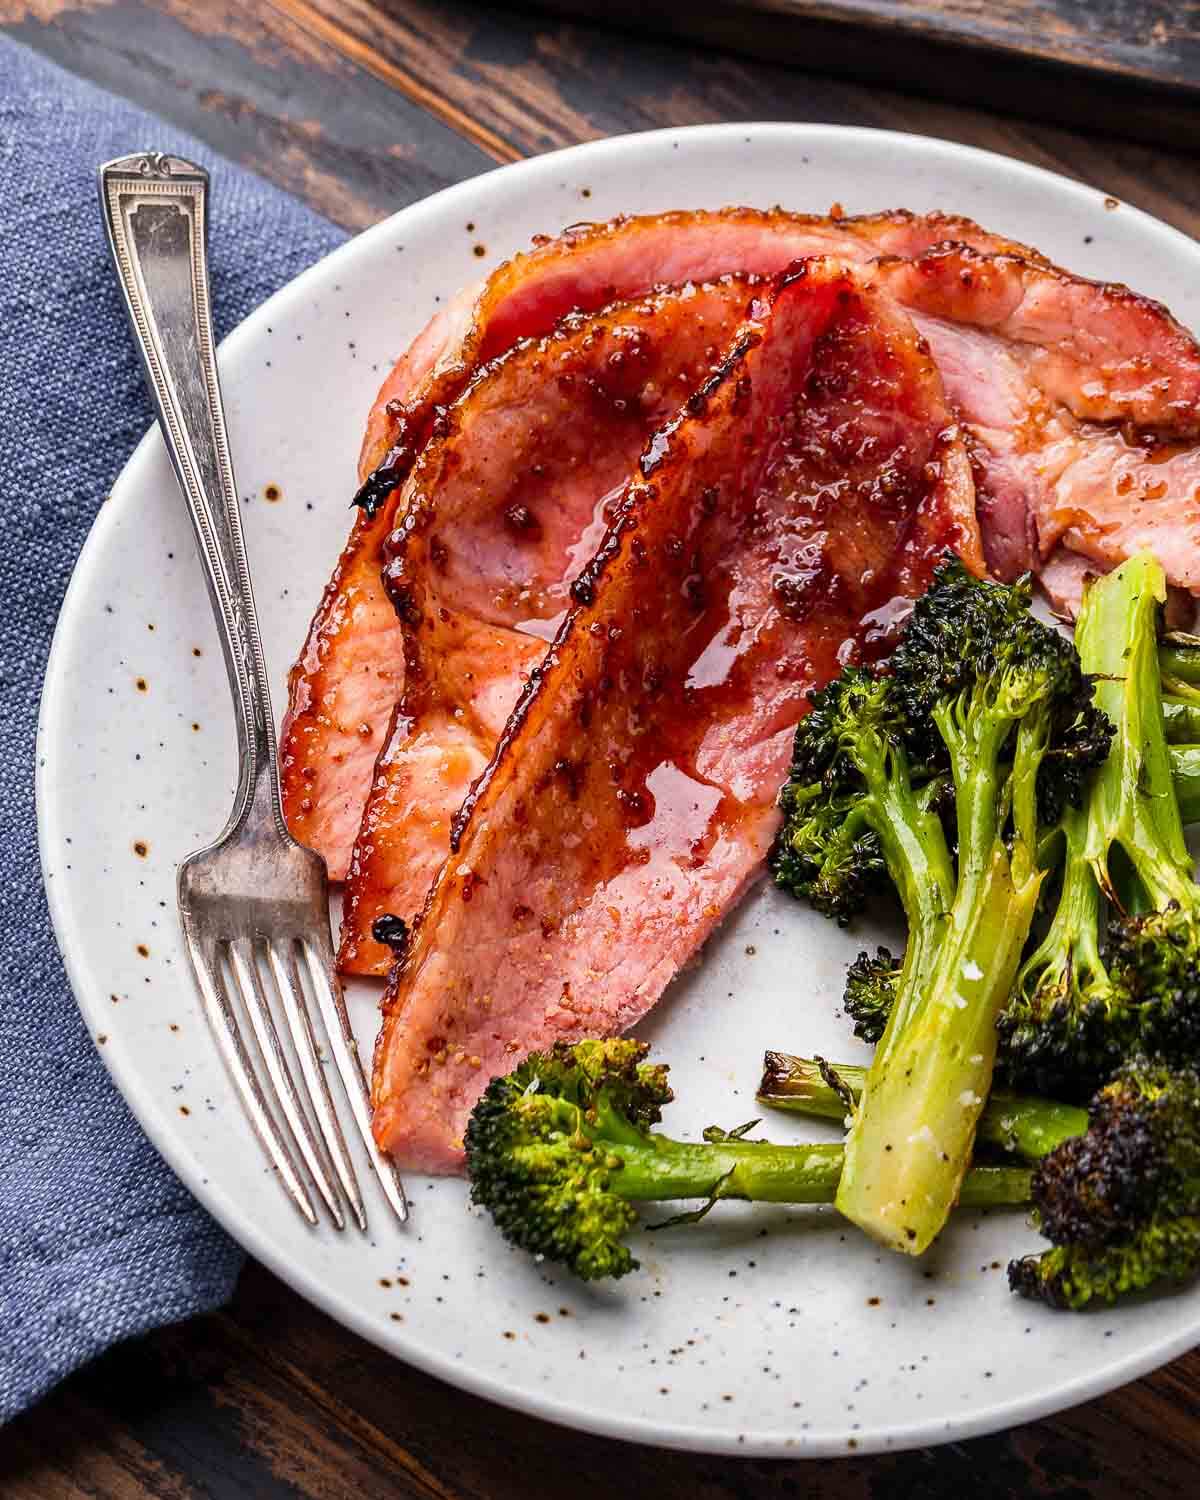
x=1120 y=1203
x=559 y=1151
x=870 y=992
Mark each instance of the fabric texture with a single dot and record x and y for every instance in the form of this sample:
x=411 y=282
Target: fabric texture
x=98 y=1240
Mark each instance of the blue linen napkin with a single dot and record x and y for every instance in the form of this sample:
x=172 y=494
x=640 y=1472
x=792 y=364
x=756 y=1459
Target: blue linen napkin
x=98 y=1239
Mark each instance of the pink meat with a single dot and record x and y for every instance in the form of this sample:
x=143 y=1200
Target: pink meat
x=812 y=482
x=1082 y=401
x=512 y=491
x=348 y=676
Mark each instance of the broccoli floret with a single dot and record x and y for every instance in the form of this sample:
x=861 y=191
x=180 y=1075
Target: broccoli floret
x=1000 y=699
x=852 y=816
x=1076 y=1014
x=1121 y=1203
x=559 y=1151
x=1067 y=1025
x=870 y=992
x=829 y=856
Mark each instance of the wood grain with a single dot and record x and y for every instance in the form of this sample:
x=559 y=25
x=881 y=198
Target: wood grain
x=1133 y=65
x=361 y=106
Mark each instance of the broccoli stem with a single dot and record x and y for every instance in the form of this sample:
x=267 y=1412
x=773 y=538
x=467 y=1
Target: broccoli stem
x=1181 y=716
x=1071 y=946
x=659 y=1169
x=1132 y=802
x=1185 y=777
x=1021 y=1124
x=912 y=1132
x=1179 y=657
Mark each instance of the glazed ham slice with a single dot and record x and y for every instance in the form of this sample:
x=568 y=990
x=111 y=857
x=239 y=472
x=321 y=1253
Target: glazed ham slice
x=511 y=493
x=1058 y=381
x=1082 y=402
x=348 y=677
x=809 y=484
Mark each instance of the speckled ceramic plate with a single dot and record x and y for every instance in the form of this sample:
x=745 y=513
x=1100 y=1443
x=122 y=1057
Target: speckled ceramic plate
x=762 y=1332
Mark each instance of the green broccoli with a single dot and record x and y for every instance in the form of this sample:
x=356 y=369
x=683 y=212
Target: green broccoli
x=1076 y=1012
x=981 y=688
x=559 y=1151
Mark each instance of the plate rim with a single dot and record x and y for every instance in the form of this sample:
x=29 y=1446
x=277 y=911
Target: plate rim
x=243 y=1227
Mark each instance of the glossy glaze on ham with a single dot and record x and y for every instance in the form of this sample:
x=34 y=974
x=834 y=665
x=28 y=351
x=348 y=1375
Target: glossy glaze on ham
x=347 y=679
x=811 y=483
x=511 y=494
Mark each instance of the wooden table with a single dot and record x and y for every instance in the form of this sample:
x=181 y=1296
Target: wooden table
x=360 y=108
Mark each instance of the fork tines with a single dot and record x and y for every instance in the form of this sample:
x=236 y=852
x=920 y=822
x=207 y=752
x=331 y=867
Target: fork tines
x=253 y=977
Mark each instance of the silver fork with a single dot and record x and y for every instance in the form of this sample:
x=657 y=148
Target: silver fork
x=254 y=904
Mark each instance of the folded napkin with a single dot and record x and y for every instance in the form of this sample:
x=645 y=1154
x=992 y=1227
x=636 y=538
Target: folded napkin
x=98 y=1240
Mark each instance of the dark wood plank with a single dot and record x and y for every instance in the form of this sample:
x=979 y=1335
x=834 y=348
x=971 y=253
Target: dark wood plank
x=1130 y=66
x=271 y=1398
x=361 y=106
x=269 y=92
x=325 y=96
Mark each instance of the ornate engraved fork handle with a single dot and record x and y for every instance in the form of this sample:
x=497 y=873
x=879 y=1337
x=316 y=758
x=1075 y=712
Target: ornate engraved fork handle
x=155 y=211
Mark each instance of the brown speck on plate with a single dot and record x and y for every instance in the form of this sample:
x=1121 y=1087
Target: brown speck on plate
x=872 y=1301
x=143 y=950
x=384 y=1281
x=1111 y=203
x=480 y=250
x=141 y=848
x=184 y=1110
x=172 y=1026
x=272 y=492
x=142 y=685
x=101 y=1039
x=196 y=651
x=509 y=1334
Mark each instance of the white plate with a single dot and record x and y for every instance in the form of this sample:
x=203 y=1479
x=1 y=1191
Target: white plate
x=760 y=1332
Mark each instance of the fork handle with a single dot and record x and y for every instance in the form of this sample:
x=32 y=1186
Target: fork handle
x=155 y=210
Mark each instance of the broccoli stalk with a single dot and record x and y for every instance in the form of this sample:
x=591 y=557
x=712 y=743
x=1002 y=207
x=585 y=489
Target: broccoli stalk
x=1001 y=697
x=559 y=1151
x=1022 y=1125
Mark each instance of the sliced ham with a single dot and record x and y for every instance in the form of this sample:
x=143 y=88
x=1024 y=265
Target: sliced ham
x=347 y=678
x=512 y=493
x=1082 y=402
x=1055 y=379
x=810 y=484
